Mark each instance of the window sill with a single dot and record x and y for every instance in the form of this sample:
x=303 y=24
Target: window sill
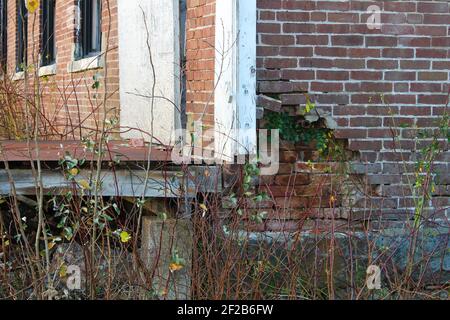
x=19 y=76
x=47 y=70
x=85 y=64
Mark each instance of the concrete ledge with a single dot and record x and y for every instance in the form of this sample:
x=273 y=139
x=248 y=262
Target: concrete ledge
x=19 y=76
x=85 y=64
x=47 y=70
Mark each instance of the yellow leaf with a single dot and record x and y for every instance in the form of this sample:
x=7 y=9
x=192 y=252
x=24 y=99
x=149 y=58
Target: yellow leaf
x=84 y=184
x=74 y=172
x=332 y=200
x=63 y=271
x=32 y=5
x=163 y=293
x=203 y=207
x=125 y=237
x=175 y=267
x=51 y=245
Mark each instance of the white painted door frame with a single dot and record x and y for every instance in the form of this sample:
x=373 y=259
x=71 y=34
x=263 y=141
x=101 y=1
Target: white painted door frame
x=235 y=78
x=136 y=72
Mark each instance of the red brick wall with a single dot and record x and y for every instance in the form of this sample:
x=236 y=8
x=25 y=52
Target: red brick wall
x=200 y=56
x=71 y=106
x=369 y=81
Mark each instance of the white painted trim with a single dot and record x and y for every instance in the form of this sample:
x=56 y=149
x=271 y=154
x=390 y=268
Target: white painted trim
x=246 y=77
x=224 y=100
x=235 y=78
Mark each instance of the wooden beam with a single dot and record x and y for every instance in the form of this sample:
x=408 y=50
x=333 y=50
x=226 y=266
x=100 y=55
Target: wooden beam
x=124 y=183
x=15 y=151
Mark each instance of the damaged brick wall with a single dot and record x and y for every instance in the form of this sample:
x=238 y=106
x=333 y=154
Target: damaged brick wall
x=371 y=83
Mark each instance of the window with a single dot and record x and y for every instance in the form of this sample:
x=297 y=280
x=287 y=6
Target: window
x=89 y=29
x=3 y=27
x=21 y=35
x=48 y=32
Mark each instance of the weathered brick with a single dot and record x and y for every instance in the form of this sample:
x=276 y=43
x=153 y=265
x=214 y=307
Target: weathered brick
x=398 y=53
x=433 y=76
x=381 y=41
x=431 y=53
x=383 y=64
x=366 y=75
x=399 y=76
x=433 y=7
x=350 y=40
x=343 y=17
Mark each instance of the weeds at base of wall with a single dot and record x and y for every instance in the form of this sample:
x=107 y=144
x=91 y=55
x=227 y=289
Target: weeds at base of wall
x=238 y=252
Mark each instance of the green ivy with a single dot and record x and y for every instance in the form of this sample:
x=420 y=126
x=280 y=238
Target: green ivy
x=292 y=131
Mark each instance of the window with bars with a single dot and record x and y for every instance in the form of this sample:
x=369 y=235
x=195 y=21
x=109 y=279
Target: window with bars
x=21 y=35
x=48 y=32
x=88 y=29
x=3 y=39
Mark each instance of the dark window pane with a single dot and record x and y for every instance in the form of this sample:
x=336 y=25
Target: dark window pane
x=89 y=28
x=22 y=35
x=48 y=32
x=3 y=39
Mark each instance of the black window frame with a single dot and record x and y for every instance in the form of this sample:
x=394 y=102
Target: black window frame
x=21 y=35
x=48 y=40
x=85 y=46
x=3 y=34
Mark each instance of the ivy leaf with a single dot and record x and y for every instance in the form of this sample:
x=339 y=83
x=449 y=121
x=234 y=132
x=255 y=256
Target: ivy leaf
x=116 y=209
x=68 y=233
x=162 y=216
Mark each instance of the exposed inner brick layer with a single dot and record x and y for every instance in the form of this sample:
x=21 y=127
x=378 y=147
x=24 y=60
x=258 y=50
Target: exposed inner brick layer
x=373 y=82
